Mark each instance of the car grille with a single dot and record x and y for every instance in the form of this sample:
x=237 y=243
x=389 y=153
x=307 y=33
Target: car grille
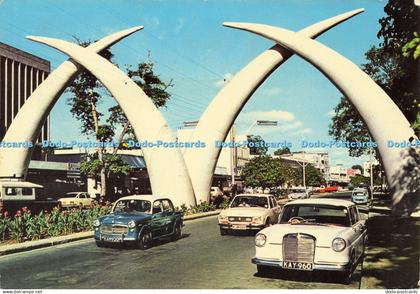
x=240 y=219
x=298 y=247
x=114 y=229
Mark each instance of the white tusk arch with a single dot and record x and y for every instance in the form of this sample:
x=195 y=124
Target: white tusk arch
x=166 y=167
x=221 y=113
x=383 y=118
x=27 y=124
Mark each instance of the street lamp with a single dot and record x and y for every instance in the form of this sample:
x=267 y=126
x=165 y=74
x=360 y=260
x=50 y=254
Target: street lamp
x=302 y=162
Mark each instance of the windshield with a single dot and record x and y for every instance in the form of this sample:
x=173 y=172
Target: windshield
x=132 y=206
x=359 y=193
x=323 y=214
x=249 y=201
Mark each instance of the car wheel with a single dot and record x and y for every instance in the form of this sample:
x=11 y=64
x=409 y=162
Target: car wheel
x=177 y=232
x=223 y=232
x=263 y=270
x=100 y=244
x=267 y=222
x=145 y=240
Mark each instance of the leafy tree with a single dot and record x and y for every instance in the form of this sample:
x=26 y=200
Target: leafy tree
x=86 y=94
x=313 y=177
x=390 y=69
x=256 y=145
x=358 y=166
x=282 y=151
x=359 y=179
x=262 y=171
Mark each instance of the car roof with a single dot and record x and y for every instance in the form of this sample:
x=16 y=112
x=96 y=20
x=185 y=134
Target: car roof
x=149 y=197
x=254 y=194
x=325 y=201
x=360 y=189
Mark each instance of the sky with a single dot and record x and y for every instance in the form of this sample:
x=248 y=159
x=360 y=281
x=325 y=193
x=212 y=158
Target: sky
x=189 y=46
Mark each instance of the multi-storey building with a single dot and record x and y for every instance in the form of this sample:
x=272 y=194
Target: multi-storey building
x=20 y=74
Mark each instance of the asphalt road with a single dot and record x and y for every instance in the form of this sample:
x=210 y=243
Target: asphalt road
x=201 y=259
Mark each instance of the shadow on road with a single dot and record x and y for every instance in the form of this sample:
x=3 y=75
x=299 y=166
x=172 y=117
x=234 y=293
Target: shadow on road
x=309 y=277
x=392 y=259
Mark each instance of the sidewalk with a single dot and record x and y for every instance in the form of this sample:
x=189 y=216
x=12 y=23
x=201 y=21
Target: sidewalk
x=31 y=245
x=392 y=255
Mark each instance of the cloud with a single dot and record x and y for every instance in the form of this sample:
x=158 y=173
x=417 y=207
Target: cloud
x=272 y=91
x=180 y=24
x=303 y=131
x=226 y=79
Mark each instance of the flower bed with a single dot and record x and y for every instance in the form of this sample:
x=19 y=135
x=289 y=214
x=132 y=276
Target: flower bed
x=24 y=226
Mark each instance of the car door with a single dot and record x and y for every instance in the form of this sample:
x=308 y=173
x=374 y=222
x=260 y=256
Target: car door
x=276 y=209
x=359 y=231
x=168 y=216
x=80 y=199
x=157 y=222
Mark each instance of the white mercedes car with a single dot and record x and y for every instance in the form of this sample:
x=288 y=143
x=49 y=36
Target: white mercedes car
x=251 y=212
x=313 y=234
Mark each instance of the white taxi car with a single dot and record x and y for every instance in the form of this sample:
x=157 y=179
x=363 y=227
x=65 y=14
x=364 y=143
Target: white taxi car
x=75 y=199
x=250 y=212
x=313 y=234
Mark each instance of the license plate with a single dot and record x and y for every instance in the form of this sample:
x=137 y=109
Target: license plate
x=114 y=239
x=239 y=227
x=303 y=266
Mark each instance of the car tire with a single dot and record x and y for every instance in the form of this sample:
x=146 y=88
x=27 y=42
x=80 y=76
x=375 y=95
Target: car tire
x=100 y=244
x=267 y=222
x=145 y=240
x=177 y=232
x=223 y=232
x=263 y=270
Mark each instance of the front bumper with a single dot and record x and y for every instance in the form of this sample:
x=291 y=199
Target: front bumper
x=231 y=226
x=316 y=266
x=131 y=236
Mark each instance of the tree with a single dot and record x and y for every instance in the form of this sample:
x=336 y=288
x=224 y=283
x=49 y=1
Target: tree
x=359 y=179
x=256 y=145
x=313 y=177
x=359 y=167
x=282 y=151
x=86 y=93
x=390 y=69
x=262 y=171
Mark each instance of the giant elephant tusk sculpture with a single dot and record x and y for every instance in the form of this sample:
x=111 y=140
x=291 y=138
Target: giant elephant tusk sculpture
x=166 y=167
x=27 y=124
x=383 y=118
x=221 y=113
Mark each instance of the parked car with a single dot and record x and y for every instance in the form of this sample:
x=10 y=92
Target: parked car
x=75 y=199
x=250 y=212
x=313 y=234
x=138 y=220
x=298 y=193
x=360 y=196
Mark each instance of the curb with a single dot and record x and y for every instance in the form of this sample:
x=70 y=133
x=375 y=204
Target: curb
x=53 y=241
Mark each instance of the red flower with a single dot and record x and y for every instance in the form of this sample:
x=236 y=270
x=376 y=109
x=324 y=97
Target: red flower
x=25 y=209
x=18 y=213
x=64 y=212
x=6 y=214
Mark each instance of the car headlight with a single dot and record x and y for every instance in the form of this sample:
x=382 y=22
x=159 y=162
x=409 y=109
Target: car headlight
x=257 y=219
x=338 y=244
x=131 y=224
x=260 y=240
x=223 y=217
x=96 y=223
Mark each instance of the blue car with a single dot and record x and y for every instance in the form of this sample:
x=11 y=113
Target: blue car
x=138 y=220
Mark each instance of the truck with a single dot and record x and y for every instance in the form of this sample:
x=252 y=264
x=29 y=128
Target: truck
x=17 y=194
